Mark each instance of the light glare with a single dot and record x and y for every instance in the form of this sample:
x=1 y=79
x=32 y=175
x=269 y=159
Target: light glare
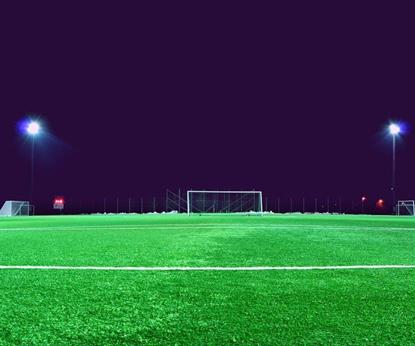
x=394 y=129
x=33 y=128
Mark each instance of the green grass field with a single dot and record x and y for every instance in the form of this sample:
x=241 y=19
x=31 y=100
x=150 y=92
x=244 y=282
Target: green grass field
x=354 y=306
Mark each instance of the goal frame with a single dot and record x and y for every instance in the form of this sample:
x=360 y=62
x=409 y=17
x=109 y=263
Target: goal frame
x=12 y=208
x=405 y=204
x=259 y=193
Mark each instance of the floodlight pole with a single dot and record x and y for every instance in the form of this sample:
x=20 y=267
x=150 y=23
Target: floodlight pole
x=32 y=130
x=393 y=189
x=32 y=178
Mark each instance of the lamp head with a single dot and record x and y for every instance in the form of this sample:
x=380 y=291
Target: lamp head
x=394 y=129
x=33 y=128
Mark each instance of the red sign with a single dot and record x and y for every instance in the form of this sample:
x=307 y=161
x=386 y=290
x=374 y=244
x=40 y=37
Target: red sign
x=58 y=203
x=380 y=203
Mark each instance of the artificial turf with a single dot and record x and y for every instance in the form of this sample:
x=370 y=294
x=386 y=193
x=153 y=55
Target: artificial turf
x=96 y=308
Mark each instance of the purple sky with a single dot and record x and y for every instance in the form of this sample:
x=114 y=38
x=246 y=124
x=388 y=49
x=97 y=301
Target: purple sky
x=289 y=99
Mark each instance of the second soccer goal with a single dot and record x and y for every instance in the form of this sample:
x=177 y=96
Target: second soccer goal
x=201 y=202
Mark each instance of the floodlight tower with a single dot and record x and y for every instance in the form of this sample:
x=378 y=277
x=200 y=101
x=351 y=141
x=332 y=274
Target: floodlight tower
x=33 y=129
x=394 y=130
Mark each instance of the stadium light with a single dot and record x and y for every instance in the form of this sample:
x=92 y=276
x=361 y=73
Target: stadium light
x=33 y=128
x=394 y=130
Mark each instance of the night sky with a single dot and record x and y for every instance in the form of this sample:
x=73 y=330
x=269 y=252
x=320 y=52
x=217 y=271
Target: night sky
x=292 y=99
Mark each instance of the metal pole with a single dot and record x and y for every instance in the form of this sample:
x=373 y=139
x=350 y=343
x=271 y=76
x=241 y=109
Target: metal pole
x=118 y=204
x=179 y=202
x=261 y=208
x=303 y=205
x=188 y=203
x=393 y=189
x=154 y=204
x=315 y=205
x=279 y=203
x=291 y=205
x=32 y=178
x=142 y=202
x=129 y=206
x=105 y=205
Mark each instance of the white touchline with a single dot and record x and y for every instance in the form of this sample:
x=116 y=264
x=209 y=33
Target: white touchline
x=208 y=226
x=265 y=268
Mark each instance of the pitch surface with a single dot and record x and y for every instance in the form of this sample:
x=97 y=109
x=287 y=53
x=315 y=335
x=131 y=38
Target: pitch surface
x=375 y=306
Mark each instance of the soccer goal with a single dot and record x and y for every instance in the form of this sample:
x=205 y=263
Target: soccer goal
x=243 y=202
x=17 y=208
x=405 y=208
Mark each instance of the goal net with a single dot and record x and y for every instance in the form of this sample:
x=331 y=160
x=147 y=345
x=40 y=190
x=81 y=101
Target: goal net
x=202 y=202
x=16 y=208
x=405 y=208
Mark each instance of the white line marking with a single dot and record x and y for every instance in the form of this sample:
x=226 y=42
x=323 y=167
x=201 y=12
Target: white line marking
x=351 y=267
x=220 y=227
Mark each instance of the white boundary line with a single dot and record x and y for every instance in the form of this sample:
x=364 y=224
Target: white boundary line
x=210 y=226
x=350 y=267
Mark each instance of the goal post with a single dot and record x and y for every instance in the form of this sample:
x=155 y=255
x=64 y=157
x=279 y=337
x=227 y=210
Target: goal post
x=17 y=208
x=405 y=208
x=214 y=202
